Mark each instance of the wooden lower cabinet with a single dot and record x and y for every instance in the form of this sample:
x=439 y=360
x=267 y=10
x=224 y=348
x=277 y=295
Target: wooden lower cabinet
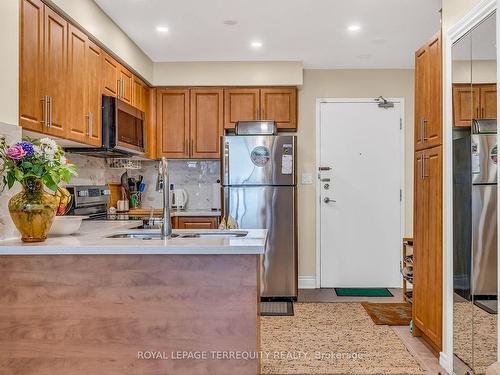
x=428 y=244
x=195 y=222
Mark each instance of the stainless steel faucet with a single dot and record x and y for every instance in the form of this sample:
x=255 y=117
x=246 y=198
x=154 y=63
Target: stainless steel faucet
x=163 y=186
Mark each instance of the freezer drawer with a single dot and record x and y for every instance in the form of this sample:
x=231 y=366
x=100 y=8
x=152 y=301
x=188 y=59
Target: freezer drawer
x=272 y=208
x=258 y=160
x=484 y=240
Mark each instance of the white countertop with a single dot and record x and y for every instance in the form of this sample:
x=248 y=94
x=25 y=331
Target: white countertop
x=91 y=239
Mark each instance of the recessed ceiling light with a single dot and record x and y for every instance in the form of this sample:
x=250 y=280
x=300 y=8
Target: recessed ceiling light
x=353 y=28
x=256 y=44
x=162 y=29
x=230 y=22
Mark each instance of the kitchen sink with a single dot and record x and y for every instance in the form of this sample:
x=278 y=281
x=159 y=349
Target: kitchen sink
x=157 y=235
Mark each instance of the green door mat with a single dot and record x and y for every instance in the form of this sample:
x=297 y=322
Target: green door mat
x=363 y=292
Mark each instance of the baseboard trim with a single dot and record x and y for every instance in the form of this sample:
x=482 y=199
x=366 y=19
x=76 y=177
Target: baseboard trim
x=307 y=282
x=444 y=362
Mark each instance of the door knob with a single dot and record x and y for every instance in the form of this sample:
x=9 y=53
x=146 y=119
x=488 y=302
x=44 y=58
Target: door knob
x=328 y=200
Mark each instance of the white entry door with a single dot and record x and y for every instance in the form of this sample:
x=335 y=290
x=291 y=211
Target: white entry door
x=360 y=160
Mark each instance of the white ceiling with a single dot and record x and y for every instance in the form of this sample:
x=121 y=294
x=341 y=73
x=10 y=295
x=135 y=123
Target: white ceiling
x=311 y=31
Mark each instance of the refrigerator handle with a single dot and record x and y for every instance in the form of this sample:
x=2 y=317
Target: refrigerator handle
x=226 y=163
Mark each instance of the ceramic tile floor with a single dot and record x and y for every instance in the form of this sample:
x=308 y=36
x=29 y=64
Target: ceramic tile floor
x=416 y=346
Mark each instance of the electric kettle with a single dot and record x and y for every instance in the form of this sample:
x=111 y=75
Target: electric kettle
x=179 y=199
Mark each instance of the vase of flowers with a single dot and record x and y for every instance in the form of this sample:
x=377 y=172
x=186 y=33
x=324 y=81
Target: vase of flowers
x=34 y=164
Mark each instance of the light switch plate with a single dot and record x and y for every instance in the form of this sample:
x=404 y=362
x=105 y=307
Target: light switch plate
x=306 y=179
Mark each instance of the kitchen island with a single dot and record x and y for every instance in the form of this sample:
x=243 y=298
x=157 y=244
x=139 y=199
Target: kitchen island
x=89 y=304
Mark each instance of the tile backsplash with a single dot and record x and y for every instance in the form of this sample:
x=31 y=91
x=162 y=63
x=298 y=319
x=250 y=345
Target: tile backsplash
x=199 y=178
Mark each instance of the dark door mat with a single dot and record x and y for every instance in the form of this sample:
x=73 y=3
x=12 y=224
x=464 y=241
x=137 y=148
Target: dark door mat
x=489 y=305
x=389 y=314
x=276 y=308
x=363 y=292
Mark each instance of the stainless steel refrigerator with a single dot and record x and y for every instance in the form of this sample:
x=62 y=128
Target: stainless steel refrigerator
x=484 y=208
x=475 y=213
x=259 y=192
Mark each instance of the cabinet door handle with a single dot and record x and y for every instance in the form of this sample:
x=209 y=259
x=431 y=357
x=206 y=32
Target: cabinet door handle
x=50 y=111
x=91 y=124
x=421 y=138
x=424 y=176
x=87 y=116
x=424 y=129
x=118 y=88
x=44 y=110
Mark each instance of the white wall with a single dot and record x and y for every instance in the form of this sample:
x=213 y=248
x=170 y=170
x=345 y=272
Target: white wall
x=484 y=71
x=9 y=61
x=233 y=73
x=344 y=84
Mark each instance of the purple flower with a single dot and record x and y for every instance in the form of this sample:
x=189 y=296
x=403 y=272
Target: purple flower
x=27 y=147
x=16 y=152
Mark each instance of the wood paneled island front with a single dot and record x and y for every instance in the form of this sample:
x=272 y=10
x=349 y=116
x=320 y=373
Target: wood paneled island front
x=128 y=314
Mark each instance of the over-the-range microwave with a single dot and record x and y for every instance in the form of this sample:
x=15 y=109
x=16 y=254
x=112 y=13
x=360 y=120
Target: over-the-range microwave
x=123 y=131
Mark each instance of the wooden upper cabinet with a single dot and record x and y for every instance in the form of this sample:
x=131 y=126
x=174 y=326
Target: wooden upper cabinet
x=241 y=104
x=473 y=101
x=139 y=94
x=465 y=104
x=55 y=68
x=433 y=127
x=93 y=75
x=126 y=80
x=207 y=123
x=77 y=87
x=421 y=94
x=172 y=122
x=110 y=75
x=280 y=105
x=488 y=101
x=31 y=105
x=84 y=89
x=428 y=96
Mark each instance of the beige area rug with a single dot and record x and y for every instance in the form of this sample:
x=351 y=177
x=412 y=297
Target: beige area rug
x=477 y=346
x=332 y=338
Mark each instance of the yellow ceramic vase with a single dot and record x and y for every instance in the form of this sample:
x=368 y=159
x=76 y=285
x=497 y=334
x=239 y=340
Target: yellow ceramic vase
x=33 y=210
